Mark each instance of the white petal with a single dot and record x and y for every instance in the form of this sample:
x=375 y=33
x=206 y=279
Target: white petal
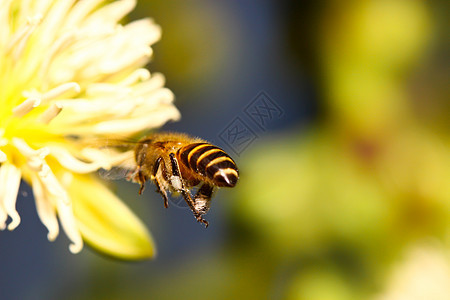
x=63 y=206
x=31 y=7
x=3 y=217
x=159 y=96
x=67 y=160
x=124 y=59
x=23 y=147
x=45 y=209
x=51 y=183
x=52 y=23
x=133 y=125
x=57 y=47
x=3 y=185
x=61 y=89
x=146 y=29
x=2 y=156
x=111 y=13
x=80 y=11
x=156 y=82
x=10 y=182
x=105 y=89
x=136 y=76
x=69 y=224
x=5 y=29
x=19 y=40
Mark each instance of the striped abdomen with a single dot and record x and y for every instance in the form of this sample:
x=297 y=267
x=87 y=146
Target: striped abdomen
x=210 y=161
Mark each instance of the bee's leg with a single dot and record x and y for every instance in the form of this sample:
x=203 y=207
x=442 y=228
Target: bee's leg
x=141 y=178
x=202 y=199
x=158 y=165
x=185 y=192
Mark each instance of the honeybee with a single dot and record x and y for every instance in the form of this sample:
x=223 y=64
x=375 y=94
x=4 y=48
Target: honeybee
x=176 y=162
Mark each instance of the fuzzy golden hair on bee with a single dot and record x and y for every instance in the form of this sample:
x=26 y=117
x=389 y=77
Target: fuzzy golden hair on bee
x=178 y=163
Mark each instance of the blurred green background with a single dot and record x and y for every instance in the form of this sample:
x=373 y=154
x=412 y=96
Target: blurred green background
x=345 y=195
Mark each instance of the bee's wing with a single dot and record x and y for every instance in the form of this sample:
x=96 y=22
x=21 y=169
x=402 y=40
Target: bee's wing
x=115 y=173
x=119 y=155
x=123 y=168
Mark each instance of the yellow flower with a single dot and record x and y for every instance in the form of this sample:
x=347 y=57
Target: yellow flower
x=70 y=73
